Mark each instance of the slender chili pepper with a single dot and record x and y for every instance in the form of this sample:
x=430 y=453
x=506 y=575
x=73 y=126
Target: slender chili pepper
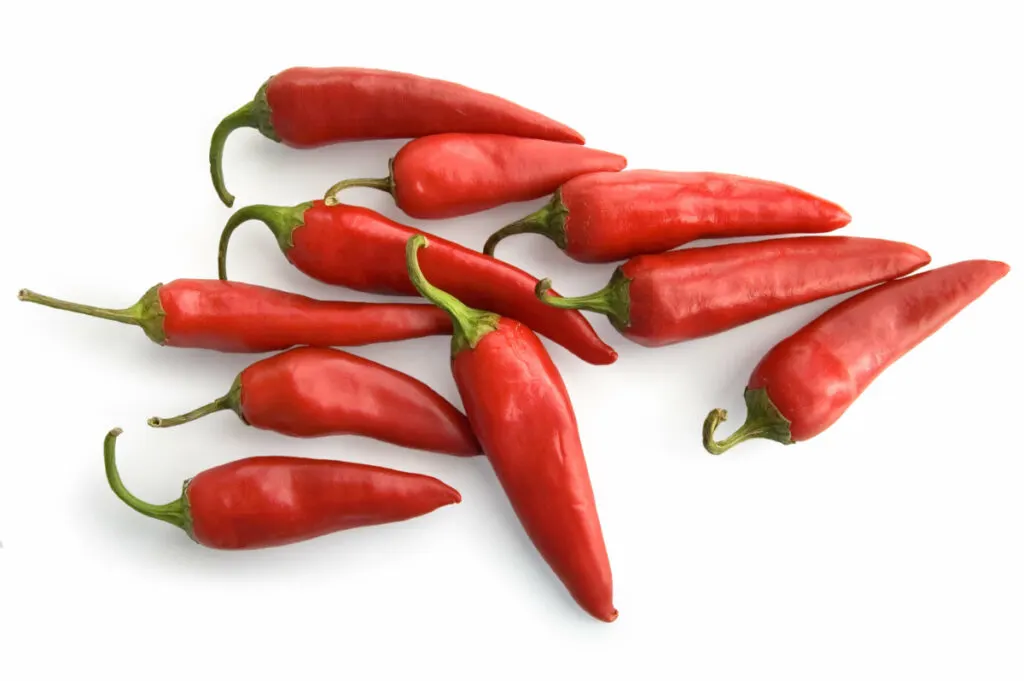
x=808 y=380
x=657 y=300
x=310 y=107
x=454 y=174
x=520 y=410
x=230 y=316
x=604 y=217
x=268 y=501
x=315 y=392
x=362 y=250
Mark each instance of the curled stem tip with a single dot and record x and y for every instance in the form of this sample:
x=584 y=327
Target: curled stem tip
x=548 y=221
x=384 y=184
x=175 y=512
x=764 y=420
x=244 y=117
x=282 y=221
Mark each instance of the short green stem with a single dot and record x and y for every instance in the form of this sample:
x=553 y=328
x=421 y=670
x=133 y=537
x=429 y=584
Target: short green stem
x=146 y=313
x=764 y=420
x=282 y=221
x=231 y=401
x=384 y=184
x=612 y=300
x=176 y=512
x=549 y=221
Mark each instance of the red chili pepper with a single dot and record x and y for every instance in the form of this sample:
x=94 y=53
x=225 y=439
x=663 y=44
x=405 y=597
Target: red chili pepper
x=520 y=410
x=656 y=300
x=314 y=392
x=450 y=175
x=310 y=107
x=234 y=317
x=808 y=380
x=268 y=501
x=603 y=217
x=363 y=250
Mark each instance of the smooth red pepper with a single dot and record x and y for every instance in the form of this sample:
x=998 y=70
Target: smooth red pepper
x=306 y=107
x=656 y=300
x=604 y=217
x=233 y=317
x=451 y=175
x=314 y=392
x=520 y=410
x=269 y=501
x=808 y=380
x=362 y=250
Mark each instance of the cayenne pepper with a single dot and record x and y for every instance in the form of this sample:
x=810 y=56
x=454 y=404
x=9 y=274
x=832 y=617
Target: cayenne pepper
x=657 y=300
x=808 y=380
x=362 y=250
x=520 y=410
x=454 y=174
x=269 y=501
x=314 y=392
x=229 y=316
x=305 y=107
x=604 y=217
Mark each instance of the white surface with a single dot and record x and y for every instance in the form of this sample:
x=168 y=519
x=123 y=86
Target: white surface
x=887 y=548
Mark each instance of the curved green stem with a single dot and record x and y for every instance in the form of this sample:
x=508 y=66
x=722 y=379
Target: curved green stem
x=282 y=221
x=549 y=221
x=146 y=313
x=612 y=300
x=469 y=325
x=244 y=117
x=176 y=512
x=764 y=420
x=384 y=184
x=232 y=400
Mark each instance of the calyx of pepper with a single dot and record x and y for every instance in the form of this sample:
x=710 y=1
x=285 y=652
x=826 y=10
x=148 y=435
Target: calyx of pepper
x=469 y=325
x=612 y=300
x=147 y=313
x=232 y=400
x=176 y=512
x=254 y=114
x=549 y=221
x=282 y=221
x=764 y=420
x=384 y=184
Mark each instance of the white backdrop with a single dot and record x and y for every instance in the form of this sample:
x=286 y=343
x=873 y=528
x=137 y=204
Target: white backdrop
x=889 y=547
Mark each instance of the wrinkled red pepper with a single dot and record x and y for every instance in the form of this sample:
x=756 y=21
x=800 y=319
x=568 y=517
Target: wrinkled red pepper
x=808 y=380
x=520 y=410
x=269 y=501
x=306 y=107
x=604 y=217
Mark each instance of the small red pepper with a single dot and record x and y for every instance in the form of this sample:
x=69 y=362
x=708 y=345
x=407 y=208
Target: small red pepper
x=315 y=392
x=230 y=316
x=451 y=175
x=268 y=501
x=362 y=250
x=657 y=300
x=808 y=380
x=520 y=410
x=604 y=217
x=306 y=107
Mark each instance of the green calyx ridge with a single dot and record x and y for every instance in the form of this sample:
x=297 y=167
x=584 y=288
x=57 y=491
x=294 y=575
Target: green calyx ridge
x=230 y=401
x=612 y=300
x=147 y=313
x=549 y=221
x=384 y=184
x=764 y=420
x=282 y=221
x=469 y=325
x=176 y=513
x=254 y=114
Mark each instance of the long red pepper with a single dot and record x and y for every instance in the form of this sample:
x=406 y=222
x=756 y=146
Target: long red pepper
x=454 y=174
x=656 y=300
x=314 y=392
x=808 y=380
x=604 y=217
x=306 y=107
x=520 y=410
x=362 y=250
x=268 y=501
x=234 y=317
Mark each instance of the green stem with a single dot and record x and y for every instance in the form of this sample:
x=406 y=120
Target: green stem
x=254 y=114
x=470 y=325
x=282 y=221
x=146 y=313
x=231 y=401
x=384 y=184
x=764 y=420
x=549 y=221
x=176 y=512
x=612 y=300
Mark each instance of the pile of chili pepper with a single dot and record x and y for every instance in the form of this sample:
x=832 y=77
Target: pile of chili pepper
x=470 y=151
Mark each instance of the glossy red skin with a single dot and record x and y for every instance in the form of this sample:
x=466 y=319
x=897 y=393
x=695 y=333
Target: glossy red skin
x=315 y=106
x=519 y=407
x=696 y=292
x=362 y=250
x=315 y=392
x=447 y=176
x=614 y=216
x=234 y=317
x=262 y=502
x=814 y=375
